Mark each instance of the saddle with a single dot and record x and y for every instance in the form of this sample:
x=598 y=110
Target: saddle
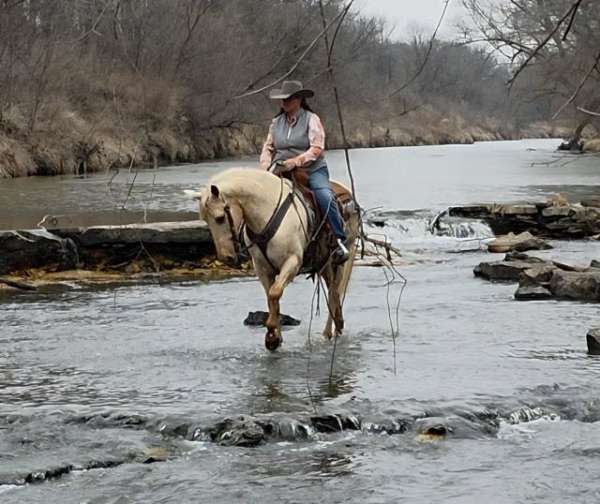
x=323 y=242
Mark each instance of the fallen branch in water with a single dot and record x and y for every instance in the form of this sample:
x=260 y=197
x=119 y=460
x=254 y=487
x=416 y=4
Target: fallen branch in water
x=385 y=244
x=17 y=285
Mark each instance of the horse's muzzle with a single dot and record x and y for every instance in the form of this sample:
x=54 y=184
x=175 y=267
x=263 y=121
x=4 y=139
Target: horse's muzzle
x=230 y=260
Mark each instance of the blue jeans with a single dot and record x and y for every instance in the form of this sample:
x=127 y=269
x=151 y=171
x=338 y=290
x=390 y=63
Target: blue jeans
x=318 y=181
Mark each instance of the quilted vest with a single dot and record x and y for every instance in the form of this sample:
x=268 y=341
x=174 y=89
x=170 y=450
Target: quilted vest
x=291 y=140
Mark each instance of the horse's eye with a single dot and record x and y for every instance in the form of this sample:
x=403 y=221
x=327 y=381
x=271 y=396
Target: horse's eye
x=220 y=220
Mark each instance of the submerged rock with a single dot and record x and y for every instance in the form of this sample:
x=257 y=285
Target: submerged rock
x=240 y=431
x=433 y=426
x=532 y=293
x=335 y=423
x=259 y=318
x=593 y=341
x=156 y=454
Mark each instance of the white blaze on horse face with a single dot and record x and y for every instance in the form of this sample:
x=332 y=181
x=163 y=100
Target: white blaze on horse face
x=212 y=210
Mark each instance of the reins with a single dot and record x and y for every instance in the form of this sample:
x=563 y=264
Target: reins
x=262 y=239
x=234 y=237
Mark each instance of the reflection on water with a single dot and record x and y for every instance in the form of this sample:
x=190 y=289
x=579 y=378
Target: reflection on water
x=105 y=376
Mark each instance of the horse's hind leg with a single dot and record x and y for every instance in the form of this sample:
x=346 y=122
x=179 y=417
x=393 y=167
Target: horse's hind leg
x=286 y=275
x=332 y=278
x=337 y=280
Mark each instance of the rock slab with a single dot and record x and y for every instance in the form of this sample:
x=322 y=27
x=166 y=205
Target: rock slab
x=65 y=249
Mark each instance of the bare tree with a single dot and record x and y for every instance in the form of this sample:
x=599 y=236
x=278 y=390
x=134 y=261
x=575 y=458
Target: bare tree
x=554 y=50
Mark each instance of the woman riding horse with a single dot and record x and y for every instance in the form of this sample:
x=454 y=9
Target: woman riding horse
x=296 y=137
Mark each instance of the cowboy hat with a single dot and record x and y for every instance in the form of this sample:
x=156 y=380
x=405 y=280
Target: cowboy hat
x=290 y=88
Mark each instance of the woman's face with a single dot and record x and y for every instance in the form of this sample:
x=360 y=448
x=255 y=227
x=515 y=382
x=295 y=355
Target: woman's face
x=291 y=105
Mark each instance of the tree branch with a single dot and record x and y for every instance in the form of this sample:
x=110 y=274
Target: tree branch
x=427 y=54
x=302 y=56
x=579 y=88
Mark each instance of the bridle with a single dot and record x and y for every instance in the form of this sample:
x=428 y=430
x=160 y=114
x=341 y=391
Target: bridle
x=262 y=239
x=235 y=237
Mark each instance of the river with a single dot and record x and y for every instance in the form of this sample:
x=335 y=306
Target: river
x=94 y=382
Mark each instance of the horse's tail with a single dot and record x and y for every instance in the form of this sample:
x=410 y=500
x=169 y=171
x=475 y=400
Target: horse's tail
x=353 y=230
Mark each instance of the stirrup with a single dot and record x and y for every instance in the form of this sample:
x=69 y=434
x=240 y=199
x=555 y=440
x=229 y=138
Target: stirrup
x=341 y=253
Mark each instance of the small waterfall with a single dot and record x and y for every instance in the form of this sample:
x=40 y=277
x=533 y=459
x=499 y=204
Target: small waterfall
x=425 y=226
x=526 y=414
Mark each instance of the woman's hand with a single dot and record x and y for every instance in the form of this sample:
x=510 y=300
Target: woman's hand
x=291 y=163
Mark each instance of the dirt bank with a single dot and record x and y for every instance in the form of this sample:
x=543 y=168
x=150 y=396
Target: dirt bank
x=72 y=143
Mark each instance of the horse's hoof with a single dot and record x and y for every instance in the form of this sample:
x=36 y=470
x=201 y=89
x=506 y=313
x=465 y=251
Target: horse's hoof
x=272 y=341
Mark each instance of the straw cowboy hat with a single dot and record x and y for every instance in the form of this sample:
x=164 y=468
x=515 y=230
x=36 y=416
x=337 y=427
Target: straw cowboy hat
x=290 y=88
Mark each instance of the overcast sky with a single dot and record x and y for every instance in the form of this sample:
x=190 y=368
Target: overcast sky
x=405 y=15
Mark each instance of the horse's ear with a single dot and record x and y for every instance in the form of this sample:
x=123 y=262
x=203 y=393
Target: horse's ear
x=214 y=190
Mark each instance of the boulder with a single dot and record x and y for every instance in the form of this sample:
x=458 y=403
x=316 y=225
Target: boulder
x=501 y=270
x=593 y=341
x=581 y=286
x=537 y=275
x=510 y=268
x=520 y=242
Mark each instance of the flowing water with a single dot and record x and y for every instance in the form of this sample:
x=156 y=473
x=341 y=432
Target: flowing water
x=97 y=383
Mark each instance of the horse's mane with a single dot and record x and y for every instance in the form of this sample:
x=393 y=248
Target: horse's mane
x=236 y=180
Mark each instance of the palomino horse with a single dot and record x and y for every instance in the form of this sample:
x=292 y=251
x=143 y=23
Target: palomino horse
x=256 y=198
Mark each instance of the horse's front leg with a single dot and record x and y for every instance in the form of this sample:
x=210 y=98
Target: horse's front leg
x=286 y=275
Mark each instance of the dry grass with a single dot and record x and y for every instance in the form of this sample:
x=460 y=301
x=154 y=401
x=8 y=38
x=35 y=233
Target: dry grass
x=15 y=159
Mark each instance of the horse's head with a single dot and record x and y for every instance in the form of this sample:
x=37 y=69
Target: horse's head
x=224 y=218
